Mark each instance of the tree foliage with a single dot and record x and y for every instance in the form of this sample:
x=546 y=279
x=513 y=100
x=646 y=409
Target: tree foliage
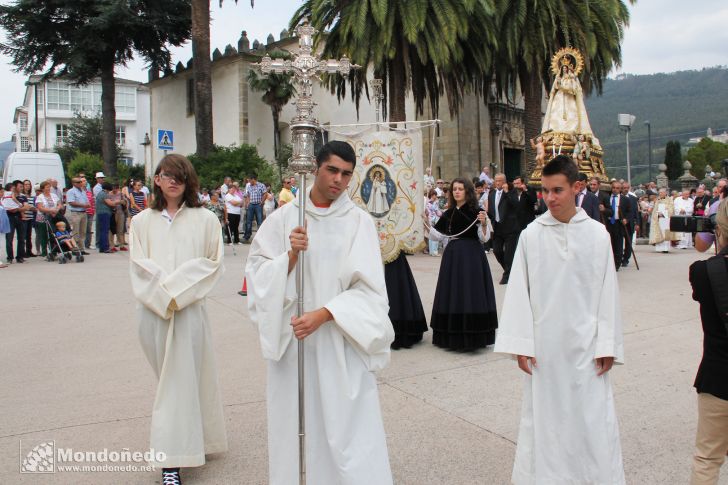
x=673 y=159
x=277 y=89
x=84 y=137
x=130 y=172
x=532 y=32
x=233 y=161
x=88 y=163
x=85 y=39
x=284 y=155
x=81 y=151
x=707 y=152
x=679 y=106
x=427 y=48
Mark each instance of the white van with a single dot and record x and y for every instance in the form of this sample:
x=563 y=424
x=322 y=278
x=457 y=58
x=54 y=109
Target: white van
x=34 y=166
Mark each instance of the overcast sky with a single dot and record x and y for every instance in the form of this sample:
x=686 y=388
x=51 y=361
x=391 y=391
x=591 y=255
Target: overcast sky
x=663 y=36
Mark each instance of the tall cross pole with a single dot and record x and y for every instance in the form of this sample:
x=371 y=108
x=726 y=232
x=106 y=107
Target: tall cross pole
x=305 y=67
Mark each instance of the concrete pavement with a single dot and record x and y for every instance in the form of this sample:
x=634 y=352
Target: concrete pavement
x=73 y=372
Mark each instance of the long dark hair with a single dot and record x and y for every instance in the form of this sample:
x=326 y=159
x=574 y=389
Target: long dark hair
x=181 y=168
x=471 y=200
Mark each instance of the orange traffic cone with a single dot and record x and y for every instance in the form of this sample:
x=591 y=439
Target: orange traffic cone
x=244 y=291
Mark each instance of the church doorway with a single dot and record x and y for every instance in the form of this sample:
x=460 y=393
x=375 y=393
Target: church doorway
x=512 y=162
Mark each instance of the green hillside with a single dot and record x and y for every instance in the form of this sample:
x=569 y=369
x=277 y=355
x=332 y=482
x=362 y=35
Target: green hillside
x=678 y=105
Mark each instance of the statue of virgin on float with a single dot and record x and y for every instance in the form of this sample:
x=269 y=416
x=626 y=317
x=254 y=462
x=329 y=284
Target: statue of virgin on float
x=566 y=128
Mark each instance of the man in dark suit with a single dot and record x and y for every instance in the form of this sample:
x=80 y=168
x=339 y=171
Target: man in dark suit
x=594 y=184
x=587 y=200
x=631 y=222
x=616 y=214
x=502 y=205
x=527 y=200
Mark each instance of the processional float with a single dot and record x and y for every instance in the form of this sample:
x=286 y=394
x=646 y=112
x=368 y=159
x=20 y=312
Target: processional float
x=566 y=129
x=305 y=67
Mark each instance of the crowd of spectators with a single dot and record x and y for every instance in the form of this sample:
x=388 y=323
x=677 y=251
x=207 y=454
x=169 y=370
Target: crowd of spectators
x=627 y=212
x=239 y=204
x=96 y=216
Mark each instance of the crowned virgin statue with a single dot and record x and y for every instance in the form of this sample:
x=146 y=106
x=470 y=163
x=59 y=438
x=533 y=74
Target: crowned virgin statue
x=566 y=112
x=566 y=128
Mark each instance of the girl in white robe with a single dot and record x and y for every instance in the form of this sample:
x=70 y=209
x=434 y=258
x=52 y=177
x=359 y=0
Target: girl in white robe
x=175 y=262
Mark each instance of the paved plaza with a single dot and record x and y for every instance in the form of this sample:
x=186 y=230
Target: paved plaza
x=73 y=372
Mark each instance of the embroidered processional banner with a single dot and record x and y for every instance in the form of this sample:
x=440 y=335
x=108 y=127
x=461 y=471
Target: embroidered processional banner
x=387 y=183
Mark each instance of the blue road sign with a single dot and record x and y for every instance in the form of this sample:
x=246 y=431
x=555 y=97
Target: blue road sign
x=165 y=139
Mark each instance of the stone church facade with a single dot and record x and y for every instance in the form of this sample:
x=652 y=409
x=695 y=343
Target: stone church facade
x=484 y=132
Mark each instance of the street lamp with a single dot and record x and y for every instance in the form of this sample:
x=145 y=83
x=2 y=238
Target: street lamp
x=35 y=111
x=147 y=166
x=625 y=123
x=649 y=151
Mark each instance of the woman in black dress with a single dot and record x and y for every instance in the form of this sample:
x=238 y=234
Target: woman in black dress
x=464 y=311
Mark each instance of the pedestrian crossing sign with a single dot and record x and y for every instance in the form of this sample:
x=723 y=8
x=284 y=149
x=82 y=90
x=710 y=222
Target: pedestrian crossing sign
x=165 y=139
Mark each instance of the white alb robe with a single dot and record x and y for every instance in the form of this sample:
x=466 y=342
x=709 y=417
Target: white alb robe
x=684 y=207
x=345 y=439
x=565 y=272
x=173 y=268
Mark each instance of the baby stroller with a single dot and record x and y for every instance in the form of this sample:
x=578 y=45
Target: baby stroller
x=55 y=248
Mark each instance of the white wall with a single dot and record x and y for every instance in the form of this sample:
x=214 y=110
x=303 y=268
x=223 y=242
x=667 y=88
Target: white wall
x=169 y=112
x=169 y=109
x=141 y=127
x=225 y=122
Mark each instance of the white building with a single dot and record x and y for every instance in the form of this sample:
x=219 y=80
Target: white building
x=722 y=138
x=487 y=129
x=42 y=121
x=239 y=115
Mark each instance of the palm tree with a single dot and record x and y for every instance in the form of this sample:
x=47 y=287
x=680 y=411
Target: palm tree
x=428 y=48
x=202 y=73
x=532 y=31
x=277 y=89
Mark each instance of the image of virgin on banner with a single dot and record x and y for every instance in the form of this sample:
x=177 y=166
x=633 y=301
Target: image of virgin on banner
x=387 y=184
x=379 y=191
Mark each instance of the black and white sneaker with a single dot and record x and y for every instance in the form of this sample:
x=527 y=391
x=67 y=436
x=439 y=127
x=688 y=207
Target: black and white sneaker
x=170 y=476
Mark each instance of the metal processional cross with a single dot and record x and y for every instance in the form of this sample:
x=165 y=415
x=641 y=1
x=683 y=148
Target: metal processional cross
x=305 y=67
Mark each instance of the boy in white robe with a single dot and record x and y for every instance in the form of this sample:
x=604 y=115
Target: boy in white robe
x=561 y=320
x=176 y=259
x=345 y=327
